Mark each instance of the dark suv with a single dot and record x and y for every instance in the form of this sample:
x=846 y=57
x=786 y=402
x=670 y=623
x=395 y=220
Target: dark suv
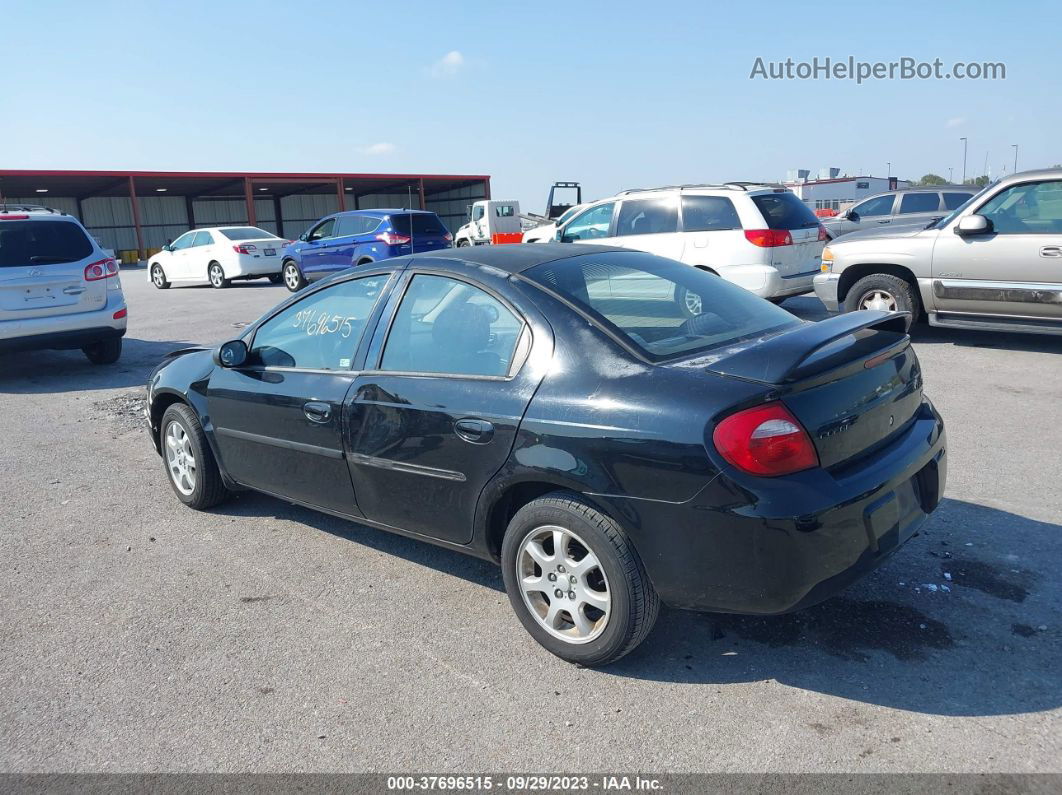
x=358 y=237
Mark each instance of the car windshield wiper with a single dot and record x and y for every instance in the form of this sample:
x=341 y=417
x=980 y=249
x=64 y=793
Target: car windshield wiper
x=51 y=259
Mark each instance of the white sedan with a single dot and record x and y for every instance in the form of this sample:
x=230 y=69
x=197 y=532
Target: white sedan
x=218 y=255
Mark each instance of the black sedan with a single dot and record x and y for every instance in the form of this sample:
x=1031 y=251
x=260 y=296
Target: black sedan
x=614 y=428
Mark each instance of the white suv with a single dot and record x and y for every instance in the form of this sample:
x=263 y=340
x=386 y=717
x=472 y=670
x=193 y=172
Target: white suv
x=761 y=237
x=58 y=288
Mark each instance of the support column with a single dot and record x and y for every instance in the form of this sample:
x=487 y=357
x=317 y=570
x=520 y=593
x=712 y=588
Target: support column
x=278 y=216
x=136 y=219
x=189 y=211
x=248 y=195
x=486 y=188
x=340 y=195
x=420 y=190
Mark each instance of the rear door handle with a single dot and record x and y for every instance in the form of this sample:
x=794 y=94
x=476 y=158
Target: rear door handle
x=474 y=431
x=317 y=411
x=1051 y=251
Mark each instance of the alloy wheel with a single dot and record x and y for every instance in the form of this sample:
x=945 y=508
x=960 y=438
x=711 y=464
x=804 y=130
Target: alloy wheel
x=157 y=277
x=878 y=299
x=563 y=584
x=217 y=276
x=180 y=459
x=693 y=303
x=291 y=278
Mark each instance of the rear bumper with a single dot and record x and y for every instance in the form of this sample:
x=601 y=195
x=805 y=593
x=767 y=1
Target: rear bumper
x=64 y=332
x=766 y=282
x=259 y=266
x=784 y=544
x=825 y=285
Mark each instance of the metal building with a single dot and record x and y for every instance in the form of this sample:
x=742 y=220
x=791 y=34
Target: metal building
x=139 y=211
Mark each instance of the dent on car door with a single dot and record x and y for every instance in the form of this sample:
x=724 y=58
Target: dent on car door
x=436 y=419
x=278 y=419
x=1016 y=267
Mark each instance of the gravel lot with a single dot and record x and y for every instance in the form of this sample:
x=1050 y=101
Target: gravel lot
x=138 y=635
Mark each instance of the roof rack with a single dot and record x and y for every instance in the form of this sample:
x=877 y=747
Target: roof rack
x=25 y=208
x=744 y=186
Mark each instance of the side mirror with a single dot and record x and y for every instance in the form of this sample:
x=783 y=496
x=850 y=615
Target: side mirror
x=167 y=248
x=852 y=216
x=233 y=353
x=973 y=225
x=302 y=237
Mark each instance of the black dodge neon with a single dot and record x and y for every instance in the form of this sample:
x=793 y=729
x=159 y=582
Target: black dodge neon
x=614 y=428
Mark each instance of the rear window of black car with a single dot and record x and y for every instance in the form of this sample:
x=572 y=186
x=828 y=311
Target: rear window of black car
x=663 y=308
x=41 y=243
x=420 y=223
x=784 y=211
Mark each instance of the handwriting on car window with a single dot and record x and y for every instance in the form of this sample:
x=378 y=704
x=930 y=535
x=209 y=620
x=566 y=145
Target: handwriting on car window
x=320 y=322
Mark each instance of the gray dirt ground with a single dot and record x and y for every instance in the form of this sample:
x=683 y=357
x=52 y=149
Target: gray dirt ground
x=139 y=635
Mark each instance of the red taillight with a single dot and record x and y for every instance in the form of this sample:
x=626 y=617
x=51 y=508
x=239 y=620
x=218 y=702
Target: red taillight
x=245 y=249
x=769 y=238
x=448 y=237
x=391 y=239
x=822 y=234
x=102 y=269
x=120 y=314
x=766 y=440
x=14 y=217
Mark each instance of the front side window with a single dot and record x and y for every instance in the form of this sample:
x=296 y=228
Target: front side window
x=661 y=307
x=448 y=326
x=647 y=217
x=477 y=213
x=919 y=203
x=202 y=239
x=26 y=242
x=323 y=230
x=708 y=214
x=879 y=205
x=320 y=332
x=184 y=241
x=1034 y=208
x=590 y=225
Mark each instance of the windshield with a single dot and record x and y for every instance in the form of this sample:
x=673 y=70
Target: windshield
x=247 y=233
x=41 y=243
x=947 y=219
x=663 y=308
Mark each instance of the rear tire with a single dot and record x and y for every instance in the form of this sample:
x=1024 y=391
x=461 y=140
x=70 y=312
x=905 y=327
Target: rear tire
x=190 y=466
x=884 y=291
x=104 y=352
x=216 y=275
x=463 y=243
x=606 y=604
x=158 y=277
x=293 y=278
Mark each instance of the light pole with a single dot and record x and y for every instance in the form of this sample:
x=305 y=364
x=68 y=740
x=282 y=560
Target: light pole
x=1015 y=158
x=889 y=169
x=950 y=170
x=964 y=145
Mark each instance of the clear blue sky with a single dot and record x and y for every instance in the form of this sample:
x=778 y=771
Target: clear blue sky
x=612 y=94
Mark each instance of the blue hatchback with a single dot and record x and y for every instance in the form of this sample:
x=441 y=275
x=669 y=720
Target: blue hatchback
x=358 y=237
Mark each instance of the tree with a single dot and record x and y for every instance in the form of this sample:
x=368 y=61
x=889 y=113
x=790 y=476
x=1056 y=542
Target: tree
x=932 y=179
x=980 y=181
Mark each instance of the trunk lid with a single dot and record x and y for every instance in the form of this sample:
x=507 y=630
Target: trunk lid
x=853 y=381
x=42 y=269
x=782 y=210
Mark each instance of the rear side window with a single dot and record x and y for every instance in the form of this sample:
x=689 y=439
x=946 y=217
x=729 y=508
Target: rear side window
x=661 y=307
x=919 y=203
x=708 y=214
x=350 y=225
x=785 y=211
x=246 y=233
x=647 y=217
x=42 y=243
x=418 y=224
x=953 y=201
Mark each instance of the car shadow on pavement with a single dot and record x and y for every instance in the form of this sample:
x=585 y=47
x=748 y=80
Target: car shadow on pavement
x=924 y=334
x=962 y=621
x=53 y=372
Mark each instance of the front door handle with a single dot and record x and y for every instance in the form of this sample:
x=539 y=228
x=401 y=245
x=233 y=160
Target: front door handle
x=474 y=431
x=316 y=411
x=1051 y=251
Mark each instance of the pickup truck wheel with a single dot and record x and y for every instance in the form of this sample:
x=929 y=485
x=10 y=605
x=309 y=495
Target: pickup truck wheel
x=886 y=292
x=158 y=277
x=190 y=466
x=293 y=278
x=104 y=352
x=216 y=274
x=575 y=581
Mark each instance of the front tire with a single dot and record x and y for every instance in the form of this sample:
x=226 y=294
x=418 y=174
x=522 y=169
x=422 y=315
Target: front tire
x=104 y=352
x=158 y=277
x=884 y=291
x=190 y=466
x=463 y=243
x=293 y=278
x=216 y=275
x=575 y=581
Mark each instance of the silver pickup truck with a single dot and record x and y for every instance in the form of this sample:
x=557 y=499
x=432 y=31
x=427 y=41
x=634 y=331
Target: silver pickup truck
x=994 y=263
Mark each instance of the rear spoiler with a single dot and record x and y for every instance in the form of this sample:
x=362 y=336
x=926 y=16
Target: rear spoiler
x=776 y=360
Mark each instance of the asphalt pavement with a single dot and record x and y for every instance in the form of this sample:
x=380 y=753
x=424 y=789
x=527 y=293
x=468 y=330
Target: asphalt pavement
x=138 y=635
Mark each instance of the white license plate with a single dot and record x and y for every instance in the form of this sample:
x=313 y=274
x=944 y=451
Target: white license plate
x=270 y=252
